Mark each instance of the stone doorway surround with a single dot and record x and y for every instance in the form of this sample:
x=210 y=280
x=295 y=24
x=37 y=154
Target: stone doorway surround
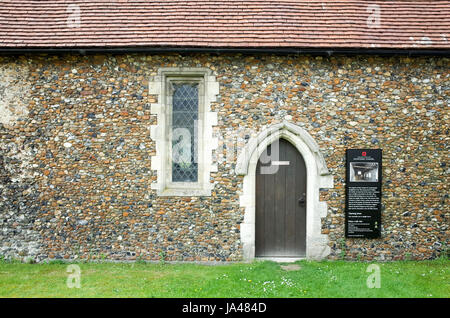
x=318 y=176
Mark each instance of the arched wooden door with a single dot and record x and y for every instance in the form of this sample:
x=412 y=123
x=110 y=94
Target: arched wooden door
x=281 y=203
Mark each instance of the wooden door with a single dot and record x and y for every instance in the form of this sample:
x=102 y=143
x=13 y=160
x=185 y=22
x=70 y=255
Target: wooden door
x=281 y=204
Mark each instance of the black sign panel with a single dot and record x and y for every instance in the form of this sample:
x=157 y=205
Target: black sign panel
x=363 y=193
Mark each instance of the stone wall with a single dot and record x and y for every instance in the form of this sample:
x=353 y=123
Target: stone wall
x=75 y=152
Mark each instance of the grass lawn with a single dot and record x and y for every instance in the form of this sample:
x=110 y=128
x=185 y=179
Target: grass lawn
x=258 y=279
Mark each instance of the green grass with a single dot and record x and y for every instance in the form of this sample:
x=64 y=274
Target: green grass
x=258 y=279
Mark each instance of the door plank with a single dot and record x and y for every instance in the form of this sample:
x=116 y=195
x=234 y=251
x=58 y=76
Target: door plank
x=259 y=212
x=269 y=213
x=291 y=200
x=280 y=207
x=300 y=220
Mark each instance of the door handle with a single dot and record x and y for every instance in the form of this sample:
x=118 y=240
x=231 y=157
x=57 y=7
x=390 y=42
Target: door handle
x=302 y=199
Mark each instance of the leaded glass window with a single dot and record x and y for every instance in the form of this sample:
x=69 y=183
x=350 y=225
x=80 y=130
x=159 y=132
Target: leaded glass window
x=185 y=104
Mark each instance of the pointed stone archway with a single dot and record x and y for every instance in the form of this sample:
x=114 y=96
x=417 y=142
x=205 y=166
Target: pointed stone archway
x=318 y=176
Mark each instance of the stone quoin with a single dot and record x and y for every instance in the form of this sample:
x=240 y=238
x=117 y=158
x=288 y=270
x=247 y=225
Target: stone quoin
x=86 y=144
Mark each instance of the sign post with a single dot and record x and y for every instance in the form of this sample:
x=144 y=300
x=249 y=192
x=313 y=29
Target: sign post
x=363 y=193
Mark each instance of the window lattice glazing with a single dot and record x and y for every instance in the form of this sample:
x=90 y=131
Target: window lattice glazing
x=184 y=136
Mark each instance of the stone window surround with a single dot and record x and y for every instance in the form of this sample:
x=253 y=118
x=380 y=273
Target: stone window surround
x=161 y=162
x=318 y=176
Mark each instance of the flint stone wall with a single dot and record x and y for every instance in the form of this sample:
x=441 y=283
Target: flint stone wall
x=75 y=152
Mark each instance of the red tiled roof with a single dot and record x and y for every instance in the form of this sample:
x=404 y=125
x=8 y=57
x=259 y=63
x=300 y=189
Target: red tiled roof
x=225 y=24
